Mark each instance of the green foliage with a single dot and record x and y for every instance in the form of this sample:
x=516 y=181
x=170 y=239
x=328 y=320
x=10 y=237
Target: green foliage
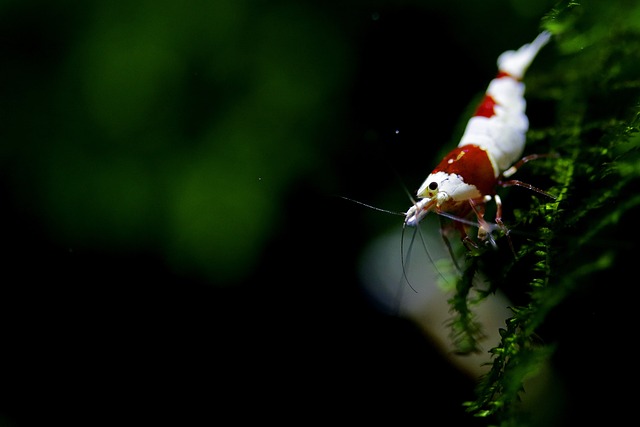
x=178 y=127
x=593 y=85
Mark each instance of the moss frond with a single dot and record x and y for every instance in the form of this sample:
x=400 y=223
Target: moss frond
x=592 y=83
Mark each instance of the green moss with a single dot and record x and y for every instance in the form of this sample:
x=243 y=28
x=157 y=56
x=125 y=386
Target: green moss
x=592 y=82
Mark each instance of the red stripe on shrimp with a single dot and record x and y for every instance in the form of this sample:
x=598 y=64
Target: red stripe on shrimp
x=485 y=109
x=472 y=164
x=502 y=74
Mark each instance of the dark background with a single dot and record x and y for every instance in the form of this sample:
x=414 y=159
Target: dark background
x=175 y=246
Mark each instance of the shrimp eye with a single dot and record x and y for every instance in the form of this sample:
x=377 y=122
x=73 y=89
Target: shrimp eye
x=433 y=185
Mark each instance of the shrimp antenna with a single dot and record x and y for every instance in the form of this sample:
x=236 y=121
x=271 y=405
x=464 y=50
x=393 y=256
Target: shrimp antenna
x=405 y=261
x=373 y=207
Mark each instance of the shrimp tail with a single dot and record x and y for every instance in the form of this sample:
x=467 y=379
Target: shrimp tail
x=516 y=62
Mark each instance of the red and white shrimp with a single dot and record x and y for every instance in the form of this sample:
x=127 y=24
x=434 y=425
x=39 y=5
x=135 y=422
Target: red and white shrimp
x=493 y=141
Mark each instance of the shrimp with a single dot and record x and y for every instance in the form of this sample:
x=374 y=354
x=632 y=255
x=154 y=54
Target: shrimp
x=487 y=155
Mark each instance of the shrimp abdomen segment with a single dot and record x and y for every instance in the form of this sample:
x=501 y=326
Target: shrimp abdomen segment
x=500 y=123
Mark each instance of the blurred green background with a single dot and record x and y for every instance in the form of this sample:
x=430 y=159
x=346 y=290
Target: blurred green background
x=174 y=239
x=180 y=128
